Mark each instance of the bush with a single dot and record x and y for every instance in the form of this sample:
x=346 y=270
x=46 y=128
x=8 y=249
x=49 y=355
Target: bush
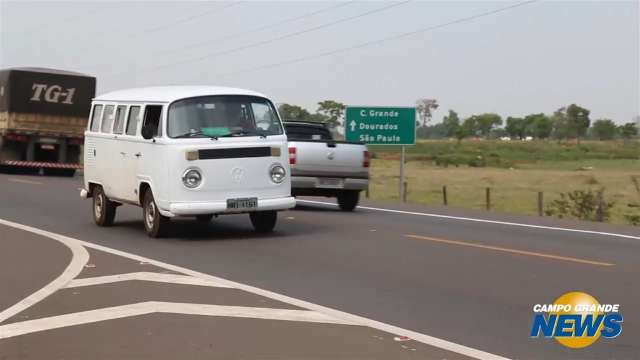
x=582 y=205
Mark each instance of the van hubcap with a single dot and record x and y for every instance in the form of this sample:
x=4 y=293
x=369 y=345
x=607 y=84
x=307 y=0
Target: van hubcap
x=98 y=206
x=151 y=214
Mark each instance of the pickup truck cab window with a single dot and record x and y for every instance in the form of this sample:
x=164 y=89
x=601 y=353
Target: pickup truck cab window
x=222 y=116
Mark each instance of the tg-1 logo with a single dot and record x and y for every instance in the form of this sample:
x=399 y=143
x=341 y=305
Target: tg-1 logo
x=52 y=94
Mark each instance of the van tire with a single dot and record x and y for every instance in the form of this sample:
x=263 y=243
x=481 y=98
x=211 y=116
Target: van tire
x=155 y=224
x=104 y=210
x=204 y=219
x=264 y=221
x=348 y=200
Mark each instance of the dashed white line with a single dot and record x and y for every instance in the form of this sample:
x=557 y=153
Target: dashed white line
x=149 y=307
x=23 y=181
x=480 y=220
x=145 y=276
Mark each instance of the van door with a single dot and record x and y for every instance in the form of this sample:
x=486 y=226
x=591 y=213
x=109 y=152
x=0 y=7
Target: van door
x=147 y=154
x=130 y=145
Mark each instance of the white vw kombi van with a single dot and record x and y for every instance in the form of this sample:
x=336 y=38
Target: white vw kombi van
x=186 y=151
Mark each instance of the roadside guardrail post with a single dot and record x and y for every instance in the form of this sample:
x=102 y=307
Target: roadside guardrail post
x=444 y=195
x=404 y=192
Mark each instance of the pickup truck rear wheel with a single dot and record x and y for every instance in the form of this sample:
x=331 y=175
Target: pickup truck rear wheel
x=264 y=221
x=348 y=200
x=154 y=223
x=104 y=210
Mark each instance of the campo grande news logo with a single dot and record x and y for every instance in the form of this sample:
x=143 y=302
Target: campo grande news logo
x=576 y=320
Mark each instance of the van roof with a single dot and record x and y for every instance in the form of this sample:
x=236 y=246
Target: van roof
x=171 y=93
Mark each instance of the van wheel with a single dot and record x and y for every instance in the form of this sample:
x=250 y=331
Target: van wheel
x=204 y=219
x=104 y=210
x=348 y=200
x=264 y=221
x=154 y=223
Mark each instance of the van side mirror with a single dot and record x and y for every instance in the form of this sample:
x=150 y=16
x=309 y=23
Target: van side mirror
x=147 y=132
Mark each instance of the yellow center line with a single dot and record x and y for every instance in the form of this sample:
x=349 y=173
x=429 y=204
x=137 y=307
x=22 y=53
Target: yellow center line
x=512 y=251
x=25 y=181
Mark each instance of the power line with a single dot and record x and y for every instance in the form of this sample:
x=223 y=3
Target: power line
x=272 y=40
x=187 y=19
x=265 y=27
x=382 y=40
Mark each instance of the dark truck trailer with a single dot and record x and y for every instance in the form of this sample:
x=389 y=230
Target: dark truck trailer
x=43 y=116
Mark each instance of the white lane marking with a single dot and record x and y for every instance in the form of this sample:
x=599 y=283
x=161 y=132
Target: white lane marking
x=337 y=314
x=144 y=276
x=79 y=257
x=481 y=220
x=149 y=307
x=22 y=181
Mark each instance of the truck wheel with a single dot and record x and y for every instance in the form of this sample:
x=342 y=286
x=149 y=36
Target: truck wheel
x=204 y=219
x=155 y=223
x=104 y=210
x=264 y=221
x=348 y=200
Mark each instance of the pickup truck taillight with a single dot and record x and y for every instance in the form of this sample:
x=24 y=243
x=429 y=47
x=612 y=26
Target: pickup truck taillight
x=367 y=159
x=292 y=156
x=21 y=138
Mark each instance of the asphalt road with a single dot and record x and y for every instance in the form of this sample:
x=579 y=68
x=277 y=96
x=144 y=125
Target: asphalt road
x=473 y=283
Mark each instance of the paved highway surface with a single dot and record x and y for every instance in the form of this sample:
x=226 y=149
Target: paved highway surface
x=439 y=272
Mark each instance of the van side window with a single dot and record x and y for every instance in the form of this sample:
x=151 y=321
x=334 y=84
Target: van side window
x=152 y=115
x=119 y=124
x=95 y=118
x=134 y=119
x=107 y=119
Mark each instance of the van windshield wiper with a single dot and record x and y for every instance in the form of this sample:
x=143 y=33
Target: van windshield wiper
x=244 y=132
x=195 y=133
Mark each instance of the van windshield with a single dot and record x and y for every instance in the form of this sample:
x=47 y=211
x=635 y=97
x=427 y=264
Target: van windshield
x=222 y=115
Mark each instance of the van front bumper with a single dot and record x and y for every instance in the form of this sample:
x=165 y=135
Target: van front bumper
x=220 y=207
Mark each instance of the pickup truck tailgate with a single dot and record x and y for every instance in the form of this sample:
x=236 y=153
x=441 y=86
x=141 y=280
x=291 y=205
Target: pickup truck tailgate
x=328 y=158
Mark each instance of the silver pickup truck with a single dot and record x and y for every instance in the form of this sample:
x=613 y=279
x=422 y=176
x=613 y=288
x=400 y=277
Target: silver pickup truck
x=321 y=166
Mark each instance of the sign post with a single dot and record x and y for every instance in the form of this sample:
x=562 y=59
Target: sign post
x=382 y=125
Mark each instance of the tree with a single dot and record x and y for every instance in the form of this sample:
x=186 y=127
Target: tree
x=539 y=126
x=604 y=129
x=333 y=111
x=451 y=123
x=467 y=128
x=628 y=131
x=425 y=108
x=293 y=112
x=485 y=122
x=515 y=127
x=578 y=120
x=560 y=124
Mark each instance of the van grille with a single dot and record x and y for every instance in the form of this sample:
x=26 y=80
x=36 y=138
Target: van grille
x=234 y=153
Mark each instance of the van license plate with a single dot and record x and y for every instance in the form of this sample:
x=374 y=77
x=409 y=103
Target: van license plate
x=242 y=204
x=330 y=182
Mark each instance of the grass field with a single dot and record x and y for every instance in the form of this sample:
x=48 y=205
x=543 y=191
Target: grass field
x=516 y=173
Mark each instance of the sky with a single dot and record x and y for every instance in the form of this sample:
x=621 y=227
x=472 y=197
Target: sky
x=527 y=59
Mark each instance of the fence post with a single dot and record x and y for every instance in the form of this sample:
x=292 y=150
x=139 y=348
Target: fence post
x=540 y=203
x=600 y=208
x=404 y=192
x=444 y=195
x=488 y=196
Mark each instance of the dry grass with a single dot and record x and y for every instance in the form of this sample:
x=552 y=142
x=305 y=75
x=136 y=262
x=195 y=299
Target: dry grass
x=513 y=190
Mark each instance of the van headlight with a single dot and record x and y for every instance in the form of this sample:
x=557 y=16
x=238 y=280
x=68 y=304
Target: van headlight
x=277 y=173
x=192 y=178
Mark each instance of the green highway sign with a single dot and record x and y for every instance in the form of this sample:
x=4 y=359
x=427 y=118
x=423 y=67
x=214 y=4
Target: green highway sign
x=381 y=125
